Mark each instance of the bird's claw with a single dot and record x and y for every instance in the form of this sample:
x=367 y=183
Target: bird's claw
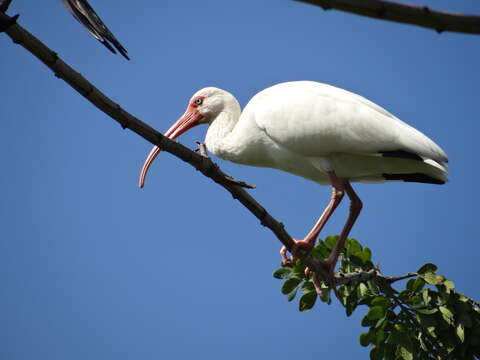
x=300 y=249
x=286 y=261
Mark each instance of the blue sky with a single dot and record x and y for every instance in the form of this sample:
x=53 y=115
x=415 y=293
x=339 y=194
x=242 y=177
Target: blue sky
x=94 y=268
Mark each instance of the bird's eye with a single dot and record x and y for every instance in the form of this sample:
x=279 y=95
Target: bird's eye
x=198 y=101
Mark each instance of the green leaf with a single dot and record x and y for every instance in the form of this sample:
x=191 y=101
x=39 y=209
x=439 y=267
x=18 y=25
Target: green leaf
x=410 y=283
x=368 y=322
x=299 y=269
x=462 y=310
x=374 y=354
x=416 y=301
x=447 y=314
x=307 y=301
x=325 y=297
x=320 y=251
x=460 y=332
x=308 y=286
x=375 y=313
x=427 y=320
x=289 y=285
x=291 y=296
x=426 y=296
x=426 y=311
x=427 y=268
x=364 y=339
x=331 y=241
x=381 y=301
x=351 y=302
x=362 y=289
x=366 y=254
x=404 y=295
x=422 y=343
x=382 y=322
x=400 y=336
x=389 y=352
x=405 y=354
x=432 y=278
x=449 y=284
x=354 y=247
x=418 y=284
x=380 y=337
x=282 y=273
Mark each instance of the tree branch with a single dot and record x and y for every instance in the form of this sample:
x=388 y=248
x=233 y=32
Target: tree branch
x=408 y=14
x=206 y=166
x=362 y=276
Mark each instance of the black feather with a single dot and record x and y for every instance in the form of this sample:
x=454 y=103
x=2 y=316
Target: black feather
x=84 y=13
x=417 y=177
x=401 y=154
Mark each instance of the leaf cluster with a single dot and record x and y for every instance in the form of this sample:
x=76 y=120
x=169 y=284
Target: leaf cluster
x=426 y=320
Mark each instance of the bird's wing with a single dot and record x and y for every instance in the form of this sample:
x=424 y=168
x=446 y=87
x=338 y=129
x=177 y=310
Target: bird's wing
x=315 y=119
x=83 y=12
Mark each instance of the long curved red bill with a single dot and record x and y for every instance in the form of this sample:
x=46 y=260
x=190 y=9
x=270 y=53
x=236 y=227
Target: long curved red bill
x=146 y=165
x=188 y=120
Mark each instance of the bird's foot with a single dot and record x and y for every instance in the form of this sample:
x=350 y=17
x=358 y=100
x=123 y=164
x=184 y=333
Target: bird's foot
x=300 y=249
x=202 y=149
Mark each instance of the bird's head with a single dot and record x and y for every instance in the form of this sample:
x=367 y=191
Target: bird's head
x=204 y=106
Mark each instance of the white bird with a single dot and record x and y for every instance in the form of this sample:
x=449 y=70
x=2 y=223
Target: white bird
x=317 y=131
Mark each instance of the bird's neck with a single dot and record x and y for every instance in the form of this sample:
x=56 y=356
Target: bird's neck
x=219 y=138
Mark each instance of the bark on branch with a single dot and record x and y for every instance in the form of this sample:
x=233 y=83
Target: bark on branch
x=362 y=276
x=404 y=13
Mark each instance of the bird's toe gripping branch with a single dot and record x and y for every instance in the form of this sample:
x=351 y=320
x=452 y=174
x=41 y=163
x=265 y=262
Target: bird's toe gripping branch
x=299 y=250
x=324 y=270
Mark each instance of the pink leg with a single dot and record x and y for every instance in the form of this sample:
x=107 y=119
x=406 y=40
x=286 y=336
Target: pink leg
x=355 y=208
x=308 y=242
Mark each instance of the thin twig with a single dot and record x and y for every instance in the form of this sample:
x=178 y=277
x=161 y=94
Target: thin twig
x=362 y=276
x=403 y=13
x=392 y=279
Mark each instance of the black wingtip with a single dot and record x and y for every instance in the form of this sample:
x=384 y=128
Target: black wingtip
x=108 y=42
x=122 y=51
x=84 y=13
x=124 y=54
x=416 y=177
x=108 y=46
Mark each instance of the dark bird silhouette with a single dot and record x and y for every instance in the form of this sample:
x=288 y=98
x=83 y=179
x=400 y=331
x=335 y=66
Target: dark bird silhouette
x=83 y=12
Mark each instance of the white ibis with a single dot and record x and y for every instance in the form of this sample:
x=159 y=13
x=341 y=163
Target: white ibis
x=317 y=131
x=84 y=13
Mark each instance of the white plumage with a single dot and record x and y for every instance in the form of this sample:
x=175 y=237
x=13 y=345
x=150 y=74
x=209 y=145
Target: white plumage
x=307 y=128
x=317 y=131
